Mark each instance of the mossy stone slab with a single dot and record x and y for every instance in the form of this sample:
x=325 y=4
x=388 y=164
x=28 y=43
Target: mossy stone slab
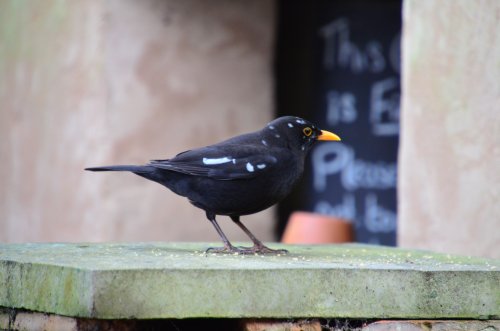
x=179 y=280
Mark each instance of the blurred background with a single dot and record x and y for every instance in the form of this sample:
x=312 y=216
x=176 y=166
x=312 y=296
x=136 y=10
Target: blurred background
x=412 y=87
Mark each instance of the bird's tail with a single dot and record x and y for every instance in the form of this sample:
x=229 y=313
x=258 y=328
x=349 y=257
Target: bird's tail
x=133 y=168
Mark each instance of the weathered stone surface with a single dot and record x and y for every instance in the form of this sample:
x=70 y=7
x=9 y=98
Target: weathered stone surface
x=36 y=321
x=466 y=325
x=169 y=280
x=14 y=320
x=280 y=325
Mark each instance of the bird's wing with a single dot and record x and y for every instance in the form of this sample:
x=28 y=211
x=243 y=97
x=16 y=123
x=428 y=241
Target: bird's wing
x=221 y=163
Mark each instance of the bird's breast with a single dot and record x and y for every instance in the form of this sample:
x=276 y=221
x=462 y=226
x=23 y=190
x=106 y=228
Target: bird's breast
x=245 y=196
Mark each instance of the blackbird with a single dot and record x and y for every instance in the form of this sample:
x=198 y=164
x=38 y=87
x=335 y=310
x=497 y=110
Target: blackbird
x=239 y=176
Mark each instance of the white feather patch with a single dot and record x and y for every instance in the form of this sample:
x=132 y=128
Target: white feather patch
x=221 y=160
x=250 y=167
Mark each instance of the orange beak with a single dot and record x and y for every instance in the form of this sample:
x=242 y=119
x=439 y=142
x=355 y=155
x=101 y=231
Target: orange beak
x=327 y=135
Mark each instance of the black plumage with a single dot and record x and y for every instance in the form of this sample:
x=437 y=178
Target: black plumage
x=239 y=176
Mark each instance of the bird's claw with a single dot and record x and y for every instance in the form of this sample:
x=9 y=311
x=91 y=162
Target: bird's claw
x=256 y=249
x=266 y=250
x=223 y=250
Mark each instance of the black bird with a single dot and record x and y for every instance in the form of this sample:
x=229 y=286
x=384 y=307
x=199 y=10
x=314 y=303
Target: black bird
x=239 y=176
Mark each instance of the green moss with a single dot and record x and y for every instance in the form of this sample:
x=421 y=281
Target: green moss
x=160 y=280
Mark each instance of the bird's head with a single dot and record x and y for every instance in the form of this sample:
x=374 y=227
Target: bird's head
x=296 y=133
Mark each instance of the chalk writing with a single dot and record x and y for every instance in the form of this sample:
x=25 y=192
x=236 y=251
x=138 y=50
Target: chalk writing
x=341 y=51
x=377 y=218
x=358 y=80
x=384 y=107
x=340 y=107
x=345 y=209
x=333 y=159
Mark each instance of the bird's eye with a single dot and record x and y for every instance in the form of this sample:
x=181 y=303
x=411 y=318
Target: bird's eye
x=307 y=131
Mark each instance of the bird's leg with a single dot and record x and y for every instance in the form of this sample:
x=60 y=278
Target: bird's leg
x=228 y=247
x=258 y=246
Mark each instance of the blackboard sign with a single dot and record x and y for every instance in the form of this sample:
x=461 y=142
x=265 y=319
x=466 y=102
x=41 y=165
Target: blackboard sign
x=355 y=92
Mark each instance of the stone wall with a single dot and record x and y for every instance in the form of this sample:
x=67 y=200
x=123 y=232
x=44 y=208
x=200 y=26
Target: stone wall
x=449 y=180
x=88 y=83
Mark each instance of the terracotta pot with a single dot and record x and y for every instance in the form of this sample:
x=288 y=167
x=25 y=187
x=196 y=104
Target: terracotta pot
x=313 y=228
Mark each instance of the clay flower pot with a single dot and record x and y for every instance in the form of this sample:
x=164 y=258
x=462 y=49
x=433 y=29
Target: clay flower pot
x=313 y=228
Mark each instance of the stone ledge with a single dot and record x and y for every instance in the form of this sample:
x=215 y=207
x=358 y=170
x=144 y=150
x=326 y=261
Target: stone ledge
x=178 y=280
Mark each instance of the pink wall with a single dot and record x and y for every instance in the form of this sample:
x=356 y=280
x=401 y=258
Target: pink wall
x=86 y=83
x=449 y=170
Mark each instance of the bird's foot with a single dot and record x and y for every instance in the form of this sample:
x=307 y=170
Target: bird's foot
x=262 y=249
x=227 y=249
x=255 y=249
